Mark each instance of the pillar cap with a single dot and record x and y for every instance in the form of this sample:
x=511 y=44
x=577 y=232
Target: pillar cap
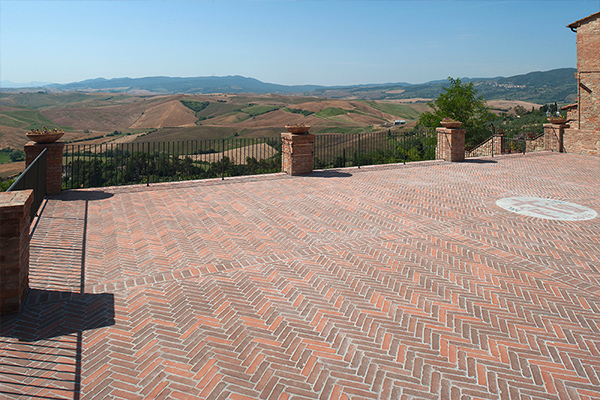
x=451 y=130
x=15 y=198
x=549 y=125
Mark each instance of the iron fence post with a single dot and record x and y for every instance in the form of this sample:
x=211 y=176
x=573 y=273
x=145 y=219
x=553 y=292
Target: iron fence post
x=223 y=159
x=148 y=165
x=359 y=151
x=404 y=147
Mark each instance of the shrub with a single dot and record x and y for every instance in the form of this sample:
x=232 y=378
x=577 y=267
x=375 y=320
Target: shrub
x=17 y=155
x=194 y=105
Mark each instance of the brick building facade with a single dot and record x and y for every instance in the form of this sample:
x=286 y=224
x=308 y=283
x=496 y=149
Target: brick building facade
x=583 y=136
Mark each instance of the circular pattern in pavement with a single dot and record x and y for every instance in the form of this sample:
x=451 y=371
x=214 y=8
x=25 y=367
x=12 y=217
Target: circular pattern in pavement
x=547 y=208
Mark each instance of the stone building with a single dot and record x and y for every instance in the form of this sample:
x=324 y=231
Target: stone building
x=583 y=136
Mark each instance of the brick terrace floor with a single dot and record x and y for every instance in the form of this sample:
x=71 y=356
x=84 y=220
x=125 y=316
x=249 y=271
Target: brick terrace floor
x=388 y=282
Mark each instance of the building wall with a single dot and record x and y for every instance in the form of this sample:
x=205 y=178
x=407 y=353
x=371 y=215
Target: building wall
x=581 y=141
x=588 y=70
x=584 y=135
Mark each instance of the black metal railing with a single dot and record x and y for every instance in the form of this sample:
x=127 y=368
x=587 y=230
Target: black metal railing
x=514 y=145
x=34 y=177
x=114 y=164
x=358 y=149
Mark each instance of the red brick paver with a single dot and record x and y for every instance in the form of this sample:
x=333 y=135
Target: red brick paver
x=388 y=282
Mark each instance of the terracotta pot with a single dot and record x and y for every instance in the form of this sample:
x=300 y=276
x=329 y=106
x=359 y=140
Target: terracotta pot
x=557 y=120
x=45 y=137
x=297 y=129
x=451 y=125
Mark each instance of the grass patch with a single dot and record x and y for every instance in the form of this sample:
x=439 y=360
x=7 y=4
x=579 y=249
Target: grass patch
x=400 y=110
x=216 y=110
x=194 y=105
x=334 y=111
x=9 y=155
x=344 y=130
x=42 y=100
x=28 y=119
x=240 y=116
x=257 y=110
x=4 y=158
x=306 y=113
x=188 y=133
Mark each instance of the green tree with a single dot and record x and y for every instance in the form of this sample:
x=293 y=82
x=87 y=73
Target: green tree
x=194 y=105
x=4 y=185
x=461 y=103
x=17 y=155
x=520 y=110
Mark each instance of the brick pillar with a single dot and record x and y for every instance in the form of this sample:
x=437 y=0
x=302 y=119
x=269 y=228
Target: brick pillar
x=497 y=143
x=554 y=137
x=54 y=160
x=297 y=153
x=451 y=144
x=14 y=249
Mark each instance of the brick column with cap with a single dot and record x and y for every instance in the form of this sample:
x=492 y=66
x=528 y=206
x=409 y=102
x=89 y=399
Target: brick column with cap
x=450 y=144
x=497 y=143
x=14 y=249
x=297 y=153
x=554 y=137
x=54 y=163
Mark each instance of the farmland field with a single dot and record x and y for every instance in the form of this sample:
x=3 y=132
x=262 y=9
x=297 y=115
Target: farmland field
x=94 y=117
x=25 y=118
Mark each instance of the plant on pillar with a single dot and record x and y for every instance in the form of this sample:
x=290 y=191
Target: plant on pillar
x=45 y=135
x=557 y=119
x=297 y=128
x=450 y=123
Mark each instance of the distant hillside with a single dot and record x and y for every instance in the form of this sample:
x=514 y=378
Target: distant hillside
x=9 y=84
x=168 y=85
x=118 y=117
x=557 y=85
x=537 y=87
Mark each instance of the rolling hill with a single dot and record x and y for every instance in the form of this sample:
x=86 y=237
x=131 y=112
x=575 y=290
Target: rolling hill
x=104 y=117
x=164 y=108
x=538 y=87
x=164 y=84
x=557 y=85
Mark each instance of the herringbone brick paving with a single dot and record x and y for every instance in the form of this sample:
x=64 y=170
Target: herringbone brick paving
x=388 y=282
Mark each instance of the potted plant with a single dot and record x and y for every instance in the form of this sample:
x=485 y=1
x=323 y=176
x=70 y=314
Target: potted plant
x=450 y=123
x=45 y=135
x=557 y=119
x=297 y=128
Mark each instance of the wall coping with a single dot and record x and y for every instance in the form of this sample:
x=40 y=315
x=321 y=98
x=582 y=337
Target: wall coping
x=15 y=199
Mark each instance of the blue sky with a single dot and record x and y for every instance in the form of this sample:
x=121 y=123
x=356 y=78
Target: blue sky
x=286 y=42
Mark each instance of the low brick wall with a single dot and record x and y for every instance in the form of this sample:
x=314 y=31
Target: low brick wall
x=14 y=249
x=535 y=144
x=491 y=146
